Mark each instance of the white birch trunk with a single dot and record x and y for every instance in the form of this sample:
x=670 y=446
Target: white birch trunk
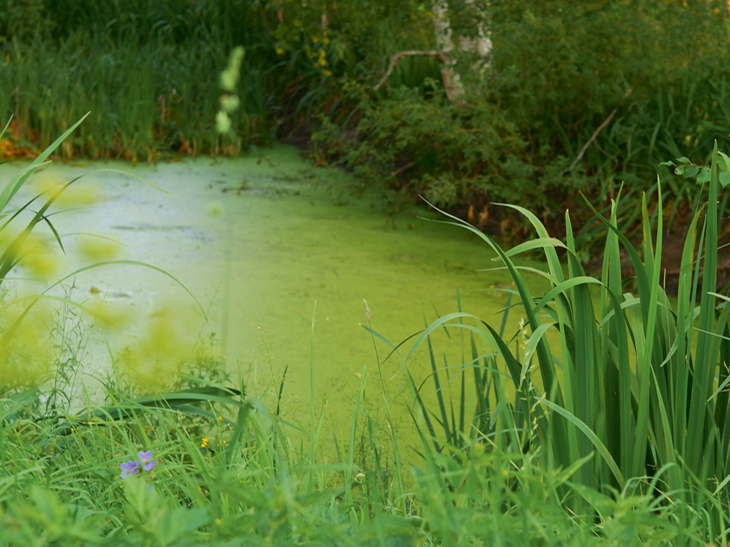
x=480 y=44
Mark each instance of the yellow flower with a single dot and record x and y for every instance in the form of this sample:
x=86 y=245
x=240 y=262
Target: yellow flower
x=204 y=443
x=322 y=61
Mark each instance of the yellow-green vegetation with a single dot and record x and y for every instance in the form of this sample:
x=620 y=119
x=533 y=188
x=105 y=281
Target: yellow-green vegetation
x=659 y=427
x=31 y=254
x=562 y=460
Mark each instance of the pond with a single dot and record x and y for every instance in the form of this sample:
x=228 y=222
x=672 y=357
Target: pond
x=267 y=248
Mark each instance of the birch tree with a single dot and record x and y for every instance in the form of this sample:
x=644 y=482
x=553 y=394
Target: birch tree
x=445 y=43
x=480 y=44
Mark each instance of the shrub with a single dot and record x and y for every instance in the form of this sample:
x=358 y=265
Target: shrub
x=567 y=103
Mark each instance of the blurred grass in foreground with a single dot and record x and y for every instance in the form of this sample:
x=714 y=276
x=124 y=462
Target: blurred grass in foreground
x=225 y=474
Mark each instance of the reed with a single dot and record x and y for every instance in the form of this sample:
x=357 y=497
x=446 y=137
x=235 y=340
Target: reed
x=636 y=390
x=148 y=72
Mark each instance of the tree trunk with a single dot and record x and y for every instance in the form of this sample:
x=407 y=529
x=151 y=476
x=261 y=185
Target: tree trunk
x=480 y=44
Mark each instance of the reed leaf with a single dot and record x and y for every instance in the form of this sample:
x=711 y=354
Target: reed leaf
x=642 y=388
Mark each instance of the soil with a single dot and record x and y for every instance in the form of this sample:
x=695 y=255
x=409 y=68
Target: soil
x=509 y=228
x=673 y=241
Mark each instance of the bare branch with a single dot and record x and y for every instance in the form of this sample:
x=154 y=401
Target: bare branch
x=411 y=53
x=593 y=138
x=595 y=134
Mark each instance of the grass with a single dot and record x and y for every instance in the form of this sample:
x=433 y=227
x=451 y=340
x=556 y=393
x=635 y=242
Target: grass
x=226 y=475
x=659 y=428
x=140 y=123
x=532 y=450
x=147 y=71
x=38 y=257
x=541 y=446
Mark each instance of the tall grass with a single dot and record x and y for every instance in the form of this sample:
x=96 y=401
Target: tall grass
x=170 y=108
x=148 y=72
x=227 y=473
x=533 y=465
x=635 y=398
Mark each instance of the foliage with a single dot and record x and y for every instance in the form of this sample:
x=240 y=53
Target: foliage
x=215 y=466
x=633 y=396
x=148 y=71
x=450 y=154
x=62 y=485
x=18 y=355
x=564 y=102
x=557 y=72
x=621 y=435
x=561 y=67
x=23 y=360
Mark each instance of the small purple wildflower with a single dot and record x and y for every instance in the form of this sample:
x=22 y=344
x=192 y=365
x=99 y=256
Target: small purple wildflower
x=129 y=468
x=147 y=459
x=132 y=467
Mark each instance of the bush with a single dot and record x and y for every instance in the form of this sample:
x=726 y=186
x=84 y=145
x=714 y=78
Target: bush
x=567 y=103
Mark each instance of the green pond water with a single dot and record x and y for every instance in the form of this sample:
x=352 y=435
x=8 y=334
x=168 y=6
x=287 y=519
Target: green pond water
x=260 y=242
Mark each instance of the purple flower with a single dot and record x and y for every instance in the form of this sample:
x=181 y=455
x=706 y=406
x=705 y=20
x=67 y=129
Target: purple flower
x=132 y=467
x=147 y=459
x=129 y=468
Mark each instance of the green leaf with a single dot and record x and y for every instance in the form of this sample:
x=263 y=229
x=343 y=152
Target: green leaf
x=704 y=175
x=704 y=371
x=724 y=178
x=6 y=127
x=17 y=402
x=531 y=346
x=178 y=400
x=533 y=244
x=691 y=171
x=12 y=187
x=600 y=447
x=724 y=164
